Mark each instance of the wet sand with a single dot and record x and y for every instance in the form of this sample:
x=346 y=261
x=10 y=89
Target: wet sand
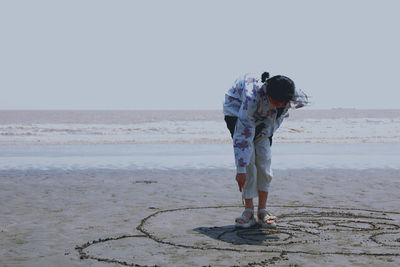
x=184 y=217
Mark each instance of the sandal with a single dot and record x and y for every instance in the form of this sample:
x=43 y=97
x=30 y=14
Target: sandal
x=266 y=221
x=247 y=221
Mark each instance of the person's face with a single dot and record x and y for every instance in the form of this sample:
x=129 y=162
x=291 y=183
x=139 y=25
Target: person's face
x=276 y=103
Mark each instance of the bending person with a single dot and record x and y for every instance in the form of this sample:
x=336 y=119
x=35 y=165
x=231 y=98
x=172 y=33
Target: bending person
x=254 y=108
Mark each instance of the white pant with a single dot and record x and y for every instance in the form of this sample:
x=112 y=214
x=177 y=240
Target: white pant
x=258 y=172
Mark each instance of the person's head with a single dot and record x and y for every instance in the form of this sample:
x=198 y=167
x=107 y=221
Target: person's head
x=280 y=90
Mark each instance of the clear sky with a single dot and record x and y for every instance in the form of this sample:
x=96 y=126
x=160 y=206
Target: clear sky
x=186 y=54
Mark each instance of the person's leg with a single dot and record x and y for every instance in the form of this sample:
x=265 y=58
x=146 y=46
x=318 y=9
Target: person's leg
x=264 y=177
x=262 y=199
x=249 y=190
x=263 y=166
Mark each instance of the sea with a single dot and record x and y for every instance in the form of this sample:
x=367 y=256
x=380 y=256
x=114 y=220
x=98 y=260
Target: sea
x=192 y=139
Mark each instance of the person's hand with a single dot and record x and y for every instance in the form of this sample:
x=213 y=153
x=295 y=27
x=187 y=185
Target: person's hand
x=241 y=179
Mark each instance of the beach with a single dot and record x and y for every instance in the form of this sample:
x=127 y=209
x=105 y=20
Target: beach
x=112 y=191
x=47 y=214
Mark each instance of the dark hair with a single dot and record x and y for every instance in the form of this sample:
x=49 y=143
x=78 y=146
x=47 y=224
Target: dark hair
x=280 y=88
x=264 y=76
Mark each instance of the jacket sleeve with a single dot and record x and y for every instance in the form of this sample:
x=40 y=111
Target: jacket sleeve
x=244 y=134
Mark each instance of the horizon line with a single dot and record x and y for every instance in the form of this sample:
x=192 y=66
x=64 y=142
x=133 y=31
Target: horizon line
x=314 y=109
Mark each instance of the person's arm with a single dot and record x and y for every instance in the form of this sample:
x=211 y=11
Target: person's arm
x=244 y=133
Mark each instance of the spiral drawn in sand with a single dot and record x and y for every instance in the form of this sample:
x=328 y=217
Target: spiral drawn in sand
x=301 y=230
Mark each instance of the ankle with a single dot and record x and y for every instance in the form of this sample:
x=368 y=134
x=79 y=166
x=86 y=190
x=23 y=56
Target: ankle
x=261 y=213
x=249 y=203
x=248 y=212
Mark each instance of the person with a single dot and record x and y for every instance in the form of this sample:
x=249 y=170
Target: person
x=254 y=108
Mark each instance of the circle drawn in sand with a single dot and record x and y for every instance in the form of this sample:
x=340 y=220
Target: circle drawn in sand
x=387 y=239
x=309 y=224
x=356 y=226
x=301 y=230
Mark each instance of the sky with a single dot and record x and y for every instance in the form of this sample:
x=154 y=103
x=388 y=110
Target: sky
x=186 y=54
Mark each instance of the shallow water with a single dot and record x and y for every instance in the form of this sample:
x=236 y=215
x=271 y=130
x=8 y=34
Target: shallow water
x=196 y=156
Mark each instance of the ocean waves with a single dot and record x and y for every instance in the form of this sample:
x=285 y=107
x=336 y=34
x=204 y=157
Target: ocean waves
x=352 y=130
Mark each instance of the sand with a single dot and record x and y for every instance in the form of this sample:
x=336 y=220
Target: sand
x=185 y=217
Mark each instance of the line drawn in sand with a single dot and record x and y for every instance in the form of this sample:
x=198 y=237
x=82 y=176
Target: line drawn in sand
x=301 y=230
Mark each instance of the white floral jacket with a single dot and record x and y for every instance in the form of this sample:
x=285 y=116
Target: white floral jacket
x=248 y=101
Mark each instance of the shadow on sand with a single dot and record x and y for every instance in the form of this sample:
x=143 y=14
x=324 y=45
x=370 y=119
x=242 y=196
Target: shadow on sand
x=239 y=236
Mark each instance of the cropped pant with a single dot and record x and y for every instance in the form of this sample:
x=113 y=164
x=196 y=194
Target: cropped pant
x=258 y=172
